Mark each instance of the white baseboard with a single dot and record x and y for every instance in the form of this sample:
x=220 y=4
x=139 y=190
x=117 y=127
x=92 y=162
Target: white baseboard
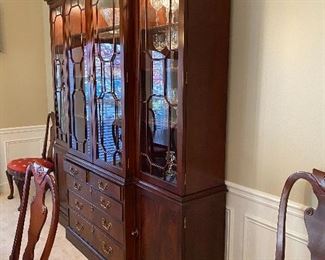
x=251 y=226
x=19 y=142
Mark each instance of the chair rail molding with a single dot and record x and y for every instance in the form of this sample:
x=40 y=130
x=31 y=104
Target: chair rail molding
x=18 y=142
x=251 y=220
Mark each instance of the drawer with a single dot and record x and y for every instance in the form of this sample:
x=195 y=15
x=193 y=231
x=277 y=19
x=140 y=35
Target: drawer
x=79 y=187
x=81 y=206
x=108 y=205
x=106 y=246
x=75 y=171
x=109 y=225
x=107 y=187
x=103 y=221
x=82 y=227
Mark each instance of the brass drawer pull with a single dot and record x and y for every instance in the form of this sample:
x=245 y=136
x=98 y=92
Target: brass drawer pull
x=78 y=205
x=106 y=248
x=106 y=225
x=102 y=186
x=79 y=227
x=73 y=171
x=76 y=186
x=135 y=233
x=104 y=204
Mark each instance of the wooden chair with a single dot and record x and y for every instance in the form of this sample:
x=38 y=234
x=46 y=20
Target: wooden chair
x=44 y=181
x=314 y=218
x=16 y=168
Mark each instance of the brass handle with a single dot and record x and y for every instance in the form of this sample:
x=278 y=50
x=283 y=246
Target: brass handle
x=106 y=225
x=79 y=227
x=106 y=248
x=135 y=233
x=104 y=204
x=73 y=171
x=102 y=186
x=76 y=186
x=78 y=205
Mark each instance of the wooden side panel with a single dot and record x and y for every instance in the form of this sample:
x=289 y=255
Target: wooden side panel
x=160 y=227
x=205 y=228
x=206 y=64
x=60 y=176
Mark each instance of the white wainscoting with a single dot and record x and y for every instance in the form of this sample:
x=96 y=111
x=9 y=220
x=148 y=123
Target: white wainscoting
x=251 y=220
x=19 y=142
x=251 y=215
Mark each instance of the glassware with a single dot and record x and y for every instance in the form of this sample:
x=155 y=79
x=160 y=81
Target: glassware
x=171 y=163
x=108 y=13
x=159 y=40
x=172 y=38
x=171 y=4
x=157 y=5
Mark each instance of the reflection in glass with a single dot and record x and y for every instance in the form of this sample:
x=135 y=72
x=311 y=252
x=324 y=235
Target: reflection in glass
x=159 y=84
x=61 y=91
x=78 y=79
x=108 y=82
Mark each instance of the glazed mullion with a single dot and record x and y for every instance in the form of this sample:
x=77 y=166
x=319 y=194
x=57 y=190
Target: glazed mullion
x=78 y=80
x=108 y=113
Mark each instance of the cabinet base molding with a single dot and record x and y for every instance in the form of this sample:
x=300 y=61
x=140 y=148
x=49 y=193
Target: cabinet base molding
x=63 y=219
x=82 y=245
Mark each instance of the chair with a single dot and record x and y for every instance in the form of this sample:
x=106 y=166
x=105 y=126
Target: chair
x=44 y=181
x=314 y=218
x=16 y=168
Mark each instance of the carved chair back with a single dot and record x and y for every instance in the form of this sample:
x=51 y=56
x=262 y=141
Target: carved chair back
x=44 y=181
x=48 y=144
x=314 y=218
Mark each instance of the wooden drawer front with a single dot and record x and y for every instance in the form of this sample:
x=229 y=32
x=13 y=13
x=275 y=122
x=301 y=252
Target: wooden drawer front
x=81 y=206
x=75 y=171
x=108 y=205
x=106 y=246
x=105 y=186
x=103 y=221
x=81 y=226
x=109 y=225
x=79 y=187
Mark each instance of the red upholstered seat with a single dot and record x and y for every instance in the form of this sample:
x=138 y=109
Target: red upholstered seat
x=20 y=165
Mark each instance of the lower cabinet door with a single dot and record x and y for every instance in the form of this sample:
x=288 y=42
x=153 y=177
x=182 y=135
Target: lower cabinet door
x=160 y=227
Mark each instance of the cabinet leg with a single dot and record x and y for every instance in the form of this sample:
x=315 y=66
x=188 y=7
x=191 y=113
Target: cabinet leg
x=20 y=186
x=11 y=186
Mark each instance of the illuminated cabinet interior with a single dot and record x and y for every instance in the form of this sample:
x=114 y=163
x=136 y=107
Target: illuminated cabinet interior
x=140 y=91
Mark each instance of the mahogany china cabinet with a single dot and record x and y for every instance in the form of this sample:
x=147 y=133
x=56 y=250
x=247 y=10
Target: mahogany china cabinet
x=140 y=89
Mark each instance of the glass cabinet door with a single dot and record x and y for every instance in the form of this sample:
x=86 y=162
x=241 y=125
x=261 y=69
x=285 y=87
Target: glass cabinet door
x=108 y=84
x=77 y=55
x=61 y=94
x=159 y=88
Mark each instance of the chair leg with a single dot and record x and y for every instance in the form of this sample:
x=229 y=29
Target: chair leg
x=20 y=186
x=11 y=186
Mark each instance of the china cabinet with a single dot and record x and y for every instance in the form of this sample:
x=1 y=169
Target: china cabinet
x=140 y=91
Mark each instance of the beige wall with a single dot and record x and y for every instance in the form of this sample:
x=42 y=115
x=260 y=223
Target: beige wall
x=47 y=51
x=23 y=100
x=276 y=120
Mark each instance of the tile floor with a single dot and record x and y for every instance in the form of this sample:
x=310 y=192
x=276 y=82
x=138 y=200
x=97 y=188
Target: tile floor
x=62 y=248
